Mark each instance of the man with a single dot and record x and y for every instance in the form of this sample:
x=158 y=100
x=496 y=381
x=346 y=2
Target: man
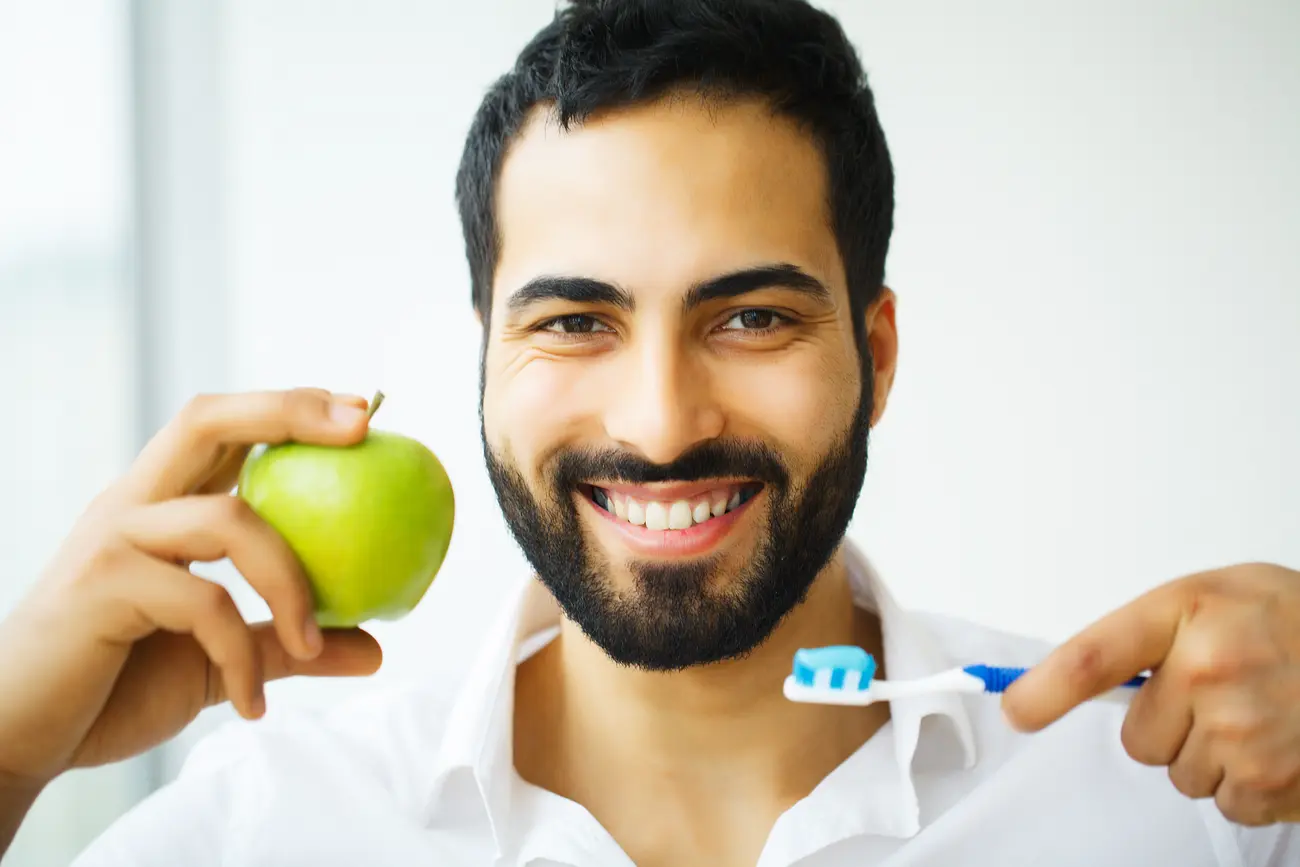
x=676 y=217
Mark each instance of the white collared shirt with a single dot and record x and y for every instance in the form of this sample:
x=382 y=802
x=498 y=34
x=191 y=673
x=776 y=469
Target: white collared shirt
x=412 y=778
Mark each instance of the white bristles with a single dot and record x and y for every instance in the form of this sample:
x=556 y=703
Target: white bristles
x=821 y=691
x=796 y=691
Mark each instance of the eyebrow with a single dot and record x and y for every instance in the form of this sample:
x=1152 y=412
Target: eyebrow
x=746 y=280
x=586 y=290
x=579 y=290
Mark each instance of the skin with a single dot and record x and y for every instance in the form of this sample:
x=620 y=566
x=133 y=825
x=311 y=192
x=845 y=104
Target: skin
x=117 y=646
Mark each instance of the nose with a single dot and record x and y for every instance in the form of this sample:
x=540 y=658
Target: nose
x=665 y=404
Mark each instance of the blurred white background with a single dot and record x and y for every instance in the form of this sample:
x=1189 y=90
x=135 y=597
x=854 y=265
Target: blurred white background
x=1095 y=256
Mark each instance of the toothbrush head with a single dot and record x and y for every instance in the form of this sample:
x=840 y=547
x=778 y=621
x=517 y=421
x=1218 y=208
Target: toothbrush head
x=831 y=675
x=840 y=667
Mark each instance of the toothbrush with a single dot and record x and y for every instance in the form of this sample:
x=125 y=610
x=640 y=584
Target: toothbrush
x=845 y=675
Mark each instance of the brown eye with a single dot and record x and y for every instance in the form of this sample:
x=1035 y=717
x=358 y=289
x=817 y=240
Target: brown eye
x=756 y=319
x=575 y=323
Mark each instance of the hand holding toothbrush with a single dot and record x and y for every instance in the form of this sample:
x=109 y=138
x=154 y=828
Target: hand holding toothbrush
x=1222 y=707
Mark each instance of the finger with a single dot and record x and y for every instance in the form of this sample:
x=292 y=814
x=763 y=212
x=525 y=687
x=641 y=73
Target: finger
x=1106 y=654
x=186 y=452
x=164 y=596
x=226 y=475
x=161 y=688
x=1255 y=738
x=217 y=526
x=1159 y=719
x=346 y=653
x=1245 y=804
x=1195 y=770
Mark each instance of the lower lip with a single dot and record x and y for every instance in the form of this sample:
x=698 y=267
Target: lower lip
x=691 y=542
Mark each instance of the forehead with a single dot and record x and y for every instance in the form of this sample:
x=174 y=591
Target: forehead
x=658 y=196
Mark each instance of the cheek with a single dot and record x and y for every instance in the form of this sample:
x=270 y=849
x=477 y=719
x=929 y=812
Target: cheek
x=536 y=405
x=804 y=403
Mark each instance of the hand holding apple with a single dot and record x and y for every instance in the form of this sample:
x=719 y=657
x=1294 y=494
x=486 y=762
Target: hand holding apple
x=118 y=646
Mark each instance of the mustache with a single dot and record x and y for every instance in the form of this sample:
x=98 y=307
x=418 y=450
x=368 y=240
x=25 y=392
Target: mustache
x=711 y=459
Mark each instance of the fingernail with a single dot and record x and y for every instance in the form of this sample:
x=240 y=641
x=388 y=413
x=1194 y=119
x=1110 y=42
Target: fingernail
x=259 y=703
x=344 y=415
x=352 y=399
x=312 y=635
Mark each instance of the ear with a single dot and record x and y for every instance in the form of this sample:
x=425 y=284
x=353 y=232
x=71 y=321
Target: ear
x=882 y=336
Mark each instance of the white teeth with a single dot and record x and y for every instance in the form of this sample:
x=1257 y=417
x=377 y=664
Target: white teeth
x=656 y=516
x=719 y=503
x=676 y=515
x=679 y=516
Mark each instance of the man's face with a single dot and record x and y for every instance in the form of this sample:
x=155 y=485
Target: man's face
x=674 y=409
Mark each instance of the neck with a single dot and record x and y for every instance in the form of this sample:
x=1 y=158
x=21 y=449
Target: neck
x=691 y=715
x=587 y=727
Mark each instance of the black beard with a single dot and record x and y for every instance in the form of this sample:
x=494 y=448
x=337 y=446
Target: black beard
x=679 y=615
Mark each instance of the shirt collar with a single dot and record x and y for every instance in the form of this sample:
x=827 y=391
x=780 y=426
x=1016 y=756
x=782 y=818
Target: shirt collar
x=474 y=779
x=911 y=651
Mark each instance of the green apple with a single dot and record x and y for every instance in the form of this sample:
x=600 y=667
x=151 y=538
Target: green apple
x=370 y=522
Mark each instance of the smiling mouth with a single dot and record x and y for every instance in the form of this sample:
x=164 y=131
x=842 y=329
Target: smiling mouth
x=680 y=514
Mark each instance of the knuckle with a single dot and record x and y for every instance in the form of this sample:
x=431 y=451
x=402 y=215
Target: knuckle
x=1206 y=586
x=108 y=556
x=303 y=405
x=1242 y=807
x=232 y=511
x=193 y=426
x=1241 y=724
x=1084 y=665
x=1276 y=777
x=1133 y=735
x=194 y=415
x=1208 y=660
x=213 y=602
x=1249 y=773
x=1186 y=781
x=1286 y=776
x=1264 y=774
x=1180 y=784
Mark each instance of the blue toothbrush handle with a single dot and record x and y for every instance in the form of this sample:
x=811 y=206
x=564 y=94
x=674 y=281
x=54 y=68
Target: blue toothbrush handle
x=998 y=679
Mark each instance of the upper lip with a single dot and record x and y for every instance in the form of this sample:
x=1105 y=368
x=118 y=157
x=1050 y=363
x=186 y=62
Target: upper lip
x=671 y=491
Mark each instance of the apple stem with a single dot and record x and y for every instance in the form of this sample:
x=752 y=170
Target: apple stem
x=374 y=404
